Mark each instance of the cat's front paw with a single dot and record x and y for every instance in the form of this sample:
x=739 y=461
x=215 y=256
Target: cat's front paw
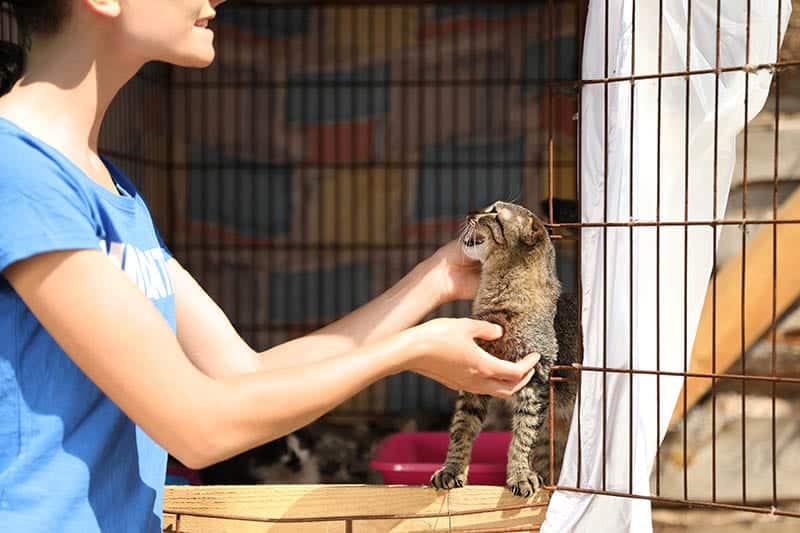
x=449 y=477
x=525 y=485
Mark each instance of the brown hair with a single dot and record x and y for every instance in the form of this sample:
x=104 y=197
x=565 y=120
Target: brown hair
x=33 y=16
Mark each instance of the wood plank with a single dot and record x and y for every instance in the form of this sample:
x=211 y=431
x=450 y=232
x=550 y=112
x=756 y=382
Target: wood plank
x=372 y=508
x=758 y=266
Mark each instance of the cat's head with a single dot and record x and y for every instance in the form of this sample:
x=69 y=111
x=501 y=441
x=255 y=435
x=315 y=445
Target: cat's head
x=506 y=232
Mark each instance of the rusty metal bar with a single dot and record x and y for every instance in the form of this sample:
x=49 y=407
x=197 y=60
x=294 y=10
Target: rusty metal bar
x=686 y=242
x=552 y=431
x=605 y=241
x=630 y=247
x=749 y=377
x=676 y=223
x=580 y=16
x=500 y=81
x=658 y=243
x=687 y=503
x=773 y=328
x=715 y=214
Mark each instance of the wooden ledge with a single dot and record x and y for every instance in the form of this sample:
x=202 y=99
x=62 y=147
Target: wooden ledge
x=348 y=508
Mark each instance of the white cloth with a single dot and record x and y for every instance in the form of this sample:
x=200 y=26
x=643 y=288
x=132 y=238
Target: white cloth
x=682 y=290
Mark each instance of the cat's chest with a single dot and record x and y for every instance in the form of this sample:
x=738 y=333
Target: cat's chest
x=510 y=347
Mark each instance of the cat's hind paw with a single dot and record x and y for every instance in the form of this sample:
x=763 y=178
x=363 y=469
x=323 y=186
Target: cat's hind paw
x=526 y=485
x=448 y=477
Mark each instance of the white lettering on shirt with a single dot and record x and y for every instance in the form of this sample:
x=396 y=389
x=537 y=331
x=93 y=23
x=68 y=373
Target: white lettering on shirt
x=147 y=269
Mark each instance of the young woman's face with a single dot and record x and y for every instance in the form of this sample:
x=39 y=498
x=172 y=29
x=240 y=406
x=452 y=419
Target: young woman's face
x=174 y=31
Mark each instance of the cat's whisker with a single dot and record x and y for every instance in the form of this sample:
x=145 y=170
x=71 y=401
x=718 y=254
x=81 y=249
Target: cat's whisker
x=515 y=198
x=462 y=228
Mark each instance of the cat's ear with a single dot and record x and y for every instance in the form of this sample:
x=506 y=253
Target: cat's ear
x=532 y=233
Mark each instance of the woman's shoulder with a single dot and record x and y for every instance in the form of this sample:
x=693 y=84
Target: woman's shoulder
x=24 y=155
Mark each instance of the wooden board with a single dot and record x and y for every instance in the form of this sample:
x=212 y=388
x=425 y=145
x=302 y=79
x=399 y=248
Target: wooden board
x=758 y=299
x=343 y=508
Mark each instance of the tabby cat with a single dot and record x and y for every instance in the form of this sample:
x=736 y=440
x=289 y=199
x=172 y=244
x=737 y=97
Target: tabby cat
x=520 y=291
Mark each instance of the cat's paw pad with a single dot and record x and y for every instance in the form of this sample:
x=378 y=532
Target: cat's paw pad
x=448 y=477
x=525 y=485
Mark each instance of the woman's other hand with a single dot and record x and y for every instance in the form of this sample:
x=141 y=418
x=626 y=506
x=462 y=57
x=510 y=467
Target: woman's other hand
x=458 y=275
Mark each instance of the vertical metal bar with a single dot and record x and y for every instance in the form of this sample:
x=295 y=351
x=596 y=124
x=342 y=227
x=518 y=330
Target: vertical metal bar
x=714 y=266
x=255 y=147
x=388 y=214
x=551 y=59
x=372 y=222
x=324 y=245
x=215 y=243
x=284 y=258
x=658 y=244
x=605 y=244
x=409 y=381
x=471 y=117
x=524 y=42
x=686 y=240
x=630 y=251
x=203 y=224
x=744 y=256
x=188 y=169
x=775 y=170
x=337 y=87
x=300 y=181
x=579 y=27
x=352 y=168
x=238 y=219
x=404 y=162
x=552 y=433
x=441 y=216
x=172 y=193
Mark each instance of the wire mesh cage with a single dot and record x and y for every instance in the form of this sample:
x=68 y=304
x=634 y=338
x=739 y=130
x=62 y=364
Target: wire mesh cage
x=334 y=145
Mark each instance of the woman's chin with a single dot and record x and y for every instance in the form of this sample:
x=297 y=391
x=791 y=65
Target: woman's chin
x=198 y=59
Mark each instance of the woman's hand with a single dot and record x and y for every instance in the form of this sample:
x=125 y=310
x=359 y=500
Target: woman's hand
x=457 y=274
x=448 y=353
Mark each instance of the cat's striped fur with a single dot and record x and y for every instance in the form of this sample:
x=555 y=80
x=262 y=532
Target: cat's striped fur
x=520 y=291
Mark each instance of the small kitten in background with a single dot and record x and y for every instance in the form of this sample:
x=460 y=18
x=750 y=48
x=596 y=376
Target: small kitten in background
x=323 y=452
x=284 y=461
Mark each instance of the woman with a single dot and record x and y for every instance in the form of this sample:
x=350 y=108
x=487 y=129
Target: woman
x=111 y=355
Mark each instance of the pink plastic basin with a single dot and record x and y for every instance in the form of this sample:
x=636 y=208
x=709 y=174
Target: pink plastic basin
x=411 y=458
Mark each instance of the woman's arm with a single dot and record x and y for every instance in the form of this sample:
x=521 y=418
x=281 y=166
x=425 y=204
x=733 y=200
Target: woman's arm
x=445 y=276
x=120 y=340
x=208 y=338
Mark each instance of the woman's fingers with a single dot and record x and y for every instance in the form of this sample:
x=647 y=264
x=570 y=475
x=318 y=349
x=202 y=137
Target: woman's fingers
x=484 y=330
x=508 y=371
x=524 y=381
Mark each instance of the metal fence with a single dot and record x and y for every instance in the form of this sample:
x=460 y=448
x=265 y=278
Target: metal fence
x=333 y=145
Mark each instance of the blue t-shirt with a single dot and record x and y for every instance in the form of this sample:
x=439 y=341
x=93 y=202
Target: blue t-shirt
x=70 y=459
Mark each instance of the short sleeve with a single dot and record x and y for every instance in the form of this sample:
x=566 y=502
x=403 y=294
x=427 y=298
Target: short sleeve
x=40 y=210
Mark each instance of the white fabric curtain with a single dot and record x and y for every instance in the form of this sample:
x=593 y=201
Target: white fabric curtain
x=606 y=196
